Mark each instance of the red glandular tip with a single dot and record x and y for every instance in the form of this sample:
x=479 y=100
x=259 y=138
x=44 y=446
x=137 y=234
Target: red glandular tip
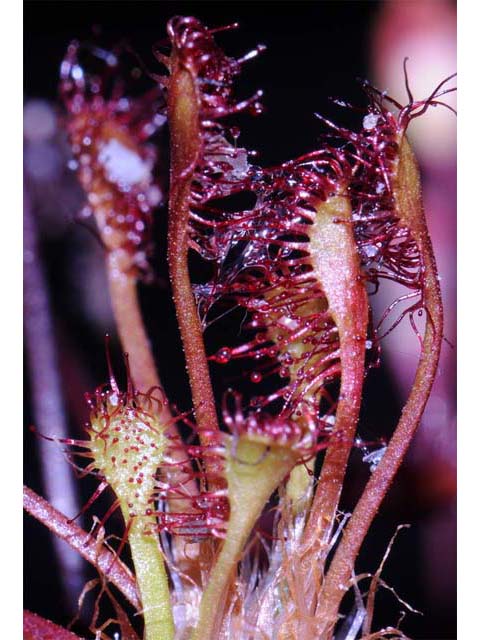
x=271 y=276
x=305 y=437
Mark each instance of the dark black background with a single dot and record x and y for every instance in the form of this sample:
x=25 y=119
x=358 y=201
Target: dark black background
x=314 y=50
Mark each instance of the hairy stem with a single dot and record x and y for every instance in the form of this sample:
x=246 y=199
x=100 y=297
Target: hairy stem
x=98 y=555
x=410 y=209
x=37 y=628
x=185 y=147
x=129 y=323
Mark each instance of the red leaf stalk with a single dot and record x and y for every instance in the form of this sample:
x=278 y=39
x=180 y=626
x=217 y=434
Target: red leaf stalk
x=37 y=628
x=198 y=94
x=104 y=560
x=185 y=148
x=406 y=191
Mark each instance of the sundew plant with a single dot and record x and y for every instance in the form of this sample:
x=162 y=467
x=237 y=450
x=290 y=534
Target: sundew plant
x=232 y=523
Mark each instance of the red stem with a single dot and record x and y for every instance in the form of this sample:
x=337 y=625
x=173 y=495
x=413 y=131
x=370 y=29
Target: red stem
x=129 y=322
x=185 y=147
x=104 y=560
x=410 y=209
x=37 y=628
